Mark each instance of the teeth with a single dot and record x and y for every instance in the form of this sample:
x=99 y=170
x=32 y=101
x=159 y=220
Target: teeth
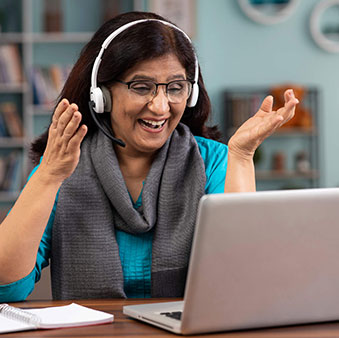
x=155 y=123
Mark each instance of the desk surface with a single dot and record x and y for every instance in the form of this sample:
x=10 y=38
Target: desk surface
x=124 y=326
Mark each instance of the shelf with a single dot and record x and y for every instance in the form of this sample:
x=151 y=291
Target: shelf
x=286 y=175
x=38 y=50
x=57 y=37
x=11 y=37
x=293 y=132
x=13 y=87
x=41 y=109
x=287 y=132
x=12 y=142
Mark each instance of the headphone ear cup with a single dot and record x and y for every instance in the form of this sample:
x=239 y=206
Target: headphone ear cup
x=192 y=100
x=107 y=96
x=96 y=97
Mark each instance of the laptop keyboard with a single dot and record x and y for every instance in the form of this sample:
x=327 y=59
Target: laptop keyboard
x=174 y=314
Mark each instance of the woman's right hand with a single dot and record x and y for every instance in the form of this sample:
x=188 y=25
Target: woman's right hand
x=62 y=152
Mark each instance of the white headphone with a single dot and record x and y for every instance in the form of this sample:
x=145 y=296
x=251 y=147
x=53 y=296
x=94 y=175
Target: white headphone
x=101 y=100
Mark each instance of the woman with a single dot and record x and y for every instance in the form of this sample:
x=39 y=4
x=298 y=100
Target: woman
x=120 y=220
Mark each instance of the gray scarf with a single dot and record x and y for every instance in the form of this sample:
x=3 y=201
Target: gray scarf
x=94 y=201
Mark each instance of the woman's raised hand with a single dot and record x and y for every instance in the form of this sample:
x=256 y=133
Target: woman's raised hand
x=22 y=229
x=62 y=152
x=253 y=132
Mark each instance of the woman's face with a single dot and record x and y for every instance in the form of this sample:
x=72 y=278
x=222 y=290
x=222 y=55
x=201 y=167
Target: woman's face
x=145 y=126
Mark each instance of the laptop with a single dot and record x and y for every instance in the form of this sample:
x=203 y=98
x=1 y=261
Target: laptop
x=258 y=260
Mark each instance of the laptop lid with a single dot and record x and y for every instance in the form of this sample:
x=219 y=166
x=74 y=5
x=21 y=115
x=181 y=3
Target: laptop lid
x=263 y=259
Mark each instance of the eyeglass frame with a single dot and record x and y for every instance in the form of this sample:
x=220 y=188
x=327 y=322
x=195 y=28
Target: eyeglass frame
x=157 y=84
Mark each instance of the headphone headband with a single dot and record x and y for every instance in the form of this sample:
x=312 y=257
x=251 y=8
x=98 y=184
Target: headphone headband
x=95 y=92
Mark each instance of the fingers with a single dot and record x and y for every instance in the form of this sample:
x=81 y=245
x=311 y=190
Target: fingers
x=62 y=152
x=76 y=140
x=63 y=104
x=65 y=124
x=290 y=99
x=267 y=104
x=290 y=104
x=65 y=118
x=72 y=125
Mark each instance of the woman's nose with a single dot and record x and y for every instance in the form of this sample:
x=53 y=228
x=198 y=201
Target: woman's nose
x=159 y=103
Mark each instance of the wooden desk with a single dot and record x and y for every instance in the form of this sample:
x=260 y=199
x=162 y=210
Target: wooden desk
x=124 y=326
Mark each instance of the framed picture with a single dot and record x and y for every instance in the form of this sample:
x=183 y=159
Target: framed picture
x=324 y=25
x=182 y=13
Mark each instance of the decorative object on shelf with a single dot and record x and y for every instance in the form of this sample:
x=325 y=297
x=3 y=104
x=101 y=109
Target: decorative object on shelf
x=53 y=16
x=302 y=163
x=324 y=25
x=302 y=118
x=183 y=13
x=279 y=161
x=268 y=12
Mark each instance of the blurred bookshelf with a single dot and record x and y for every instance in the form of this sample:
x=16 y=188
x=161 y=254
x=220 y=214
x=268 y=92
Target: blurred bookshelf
x=289 y=158
x=39 y=42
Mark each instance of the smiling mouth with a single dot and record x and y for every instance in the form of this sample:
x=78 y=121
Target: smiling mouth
x=152 y=124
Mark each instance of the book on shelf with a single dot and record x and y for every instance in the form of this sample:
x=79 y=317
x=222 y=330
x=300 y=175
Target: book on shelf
x=13 y=319
x=3 y=128
x=10 y=64
x=10 y=172
x=47 y=82
x=10 y=121
x=241 y=106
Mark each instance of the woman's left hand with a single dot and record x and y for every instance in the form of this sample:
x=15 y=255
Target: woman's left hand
x=254 y=131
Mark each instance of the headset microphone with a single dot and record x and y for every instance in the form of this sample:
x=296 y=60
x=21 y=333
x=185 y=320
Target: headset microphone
x=114 y=139
x=99 y=100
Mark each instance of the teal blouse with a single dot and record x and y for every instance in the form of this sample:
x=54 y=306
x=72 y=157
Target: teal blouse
x=135 y=250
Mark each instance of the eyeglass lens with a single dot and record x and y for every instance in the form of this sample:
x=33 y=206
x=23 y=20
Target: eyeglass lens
x=176 y=91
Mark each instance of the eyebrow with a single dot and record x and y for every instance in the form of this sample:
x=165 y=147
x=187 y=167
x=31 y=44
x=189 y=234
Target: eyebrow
x=145 y=77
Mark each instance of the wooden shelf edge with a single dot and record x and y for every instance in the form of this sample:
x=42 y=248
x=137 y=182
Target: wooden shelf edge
x=58 y=37
x=283 y=175
x=12 y=142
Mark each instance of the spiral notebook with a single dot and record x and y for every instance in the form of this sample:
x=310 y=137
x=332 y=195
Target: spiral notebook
x=14 y=319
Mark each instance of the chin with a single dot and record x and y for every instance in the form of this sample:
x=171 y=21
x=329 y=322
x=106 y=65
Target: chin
x=150 y=147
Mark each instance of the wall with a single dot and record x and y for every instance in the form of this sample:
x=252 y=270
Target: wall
x=234 y=51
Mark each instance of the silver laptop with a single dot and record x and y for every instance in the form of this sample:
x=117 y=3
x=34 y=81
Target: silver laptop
x=258 y=259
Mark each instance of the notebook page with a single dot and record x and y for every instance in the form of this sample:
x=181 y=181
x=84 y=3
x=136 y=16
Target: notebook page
x=9 y=325
x=70 y=315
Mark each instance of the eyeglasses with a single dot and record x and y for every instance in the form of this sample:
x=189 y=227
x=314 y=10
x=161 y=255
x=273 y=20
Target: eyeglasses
x=176 y=91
